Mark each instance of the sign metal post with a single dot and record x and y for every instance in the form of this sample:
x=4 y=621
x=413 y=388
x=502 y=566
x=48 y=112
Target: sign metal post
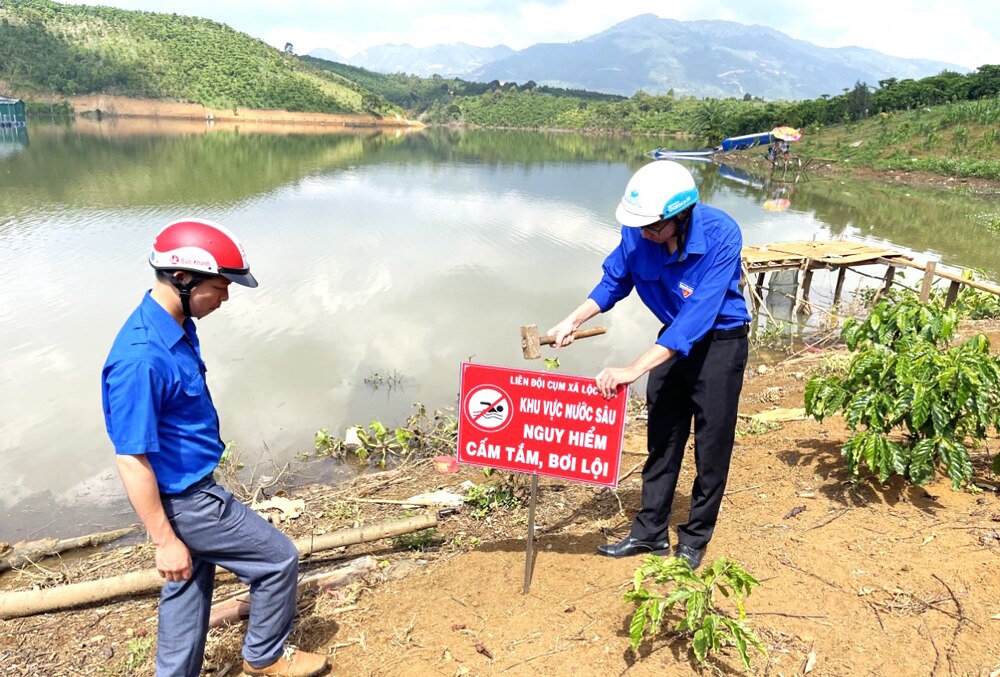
x=529 y=564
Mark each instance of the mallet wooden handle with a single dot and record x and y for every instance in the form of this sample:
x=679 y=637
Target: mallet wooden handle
x=531 y=342
x=578 y=334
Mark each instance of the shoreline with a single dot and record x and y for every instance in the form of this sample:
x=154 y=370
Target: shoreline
x=131 y=112
x=791 y=517
x=101 y=106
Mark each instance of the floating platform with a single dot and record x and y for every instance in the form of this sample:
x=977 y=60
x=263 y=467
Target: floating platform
x=841 y=255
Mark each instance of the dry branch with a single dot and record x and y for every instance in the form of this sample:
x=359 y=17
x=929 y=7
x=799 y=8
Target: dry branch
x=29 y=552
x=31 y=602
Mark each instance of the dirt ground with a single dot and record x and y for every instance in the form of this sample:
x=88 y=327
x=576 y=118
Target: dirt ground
x=855 y=579
x=971 y=185
x=107 y=105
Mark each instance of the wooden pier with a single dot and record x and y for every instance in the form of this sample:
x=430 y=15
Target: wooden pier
x=840 y=255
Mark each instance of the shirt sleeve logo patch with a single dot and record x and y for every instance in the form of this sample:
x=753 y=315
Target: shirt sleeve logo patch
x=686 y=289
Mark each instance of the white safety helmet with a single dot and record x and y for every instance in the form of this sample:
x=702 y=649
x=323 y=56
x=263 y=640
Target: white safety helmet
x=657 y=191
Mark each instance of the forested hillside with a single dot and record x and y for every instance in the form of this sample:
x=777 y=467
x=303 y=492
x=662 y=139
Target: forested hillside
x=49 y=48
x=435 y=95
x=530 y=106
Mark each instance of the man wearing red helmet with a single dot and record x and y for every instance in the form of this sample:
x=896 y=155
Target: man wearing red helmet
x=683 y=259
x=165 y=429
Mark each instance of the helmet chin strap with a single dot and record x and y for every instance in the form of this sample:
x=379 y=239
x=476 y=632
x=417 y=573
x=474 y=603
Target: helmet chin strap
x=184 y=290
x=682 y=228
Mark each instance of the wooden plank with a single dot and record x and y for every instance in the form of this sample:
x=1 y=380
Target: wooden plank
x=952 y=292
x=890 y=276
x=808 y=255
x=841 y=274
x=925 y=286
x=946 y=275
x=754 y=255
x=759 y=288
x=862 y=257
x=807 y=285
x=802 y=289
x=830 y=252
x=757 y=268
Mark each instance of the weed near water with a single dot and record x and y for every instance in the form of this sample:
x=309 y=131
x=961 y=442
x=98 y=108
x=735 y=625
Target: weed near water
x=422 y=435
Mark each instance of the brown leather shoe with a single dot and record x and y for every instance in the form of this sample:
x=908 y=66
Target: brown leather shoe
x=294 y=662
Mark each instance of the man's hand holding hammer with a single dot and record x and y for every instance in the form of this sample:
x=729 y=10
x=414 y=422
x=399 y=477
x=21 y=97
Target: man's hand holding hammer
x=609 y=379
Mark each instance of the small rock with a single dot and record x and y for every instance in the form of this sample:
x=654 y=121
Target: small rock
x=795 y=511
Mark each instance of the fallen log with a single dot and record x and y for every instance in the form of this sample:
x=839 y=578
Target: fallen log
x=31 y=602
x=29 y=552
x=237 y=608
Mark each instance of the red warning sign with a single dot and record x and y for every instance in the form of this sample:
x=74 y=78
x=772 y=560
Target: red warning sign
x=540 y=423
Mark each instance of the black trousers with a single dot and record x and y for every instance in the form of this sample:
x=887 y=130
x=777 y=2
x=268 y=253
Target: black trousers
x=704 y=386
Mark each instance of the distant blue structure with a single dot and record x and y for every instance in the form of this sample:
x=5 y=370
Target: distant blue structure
x=12 y=113
x=746 y=141
x=732 y=143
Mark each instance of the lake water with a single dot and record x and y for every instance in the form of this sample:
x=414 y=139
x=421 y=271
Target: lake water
x=380 y=256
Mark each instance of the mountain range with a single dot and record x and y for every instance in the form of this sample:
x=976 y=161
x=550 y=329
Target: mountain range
x=648 y=53
x=454 y=60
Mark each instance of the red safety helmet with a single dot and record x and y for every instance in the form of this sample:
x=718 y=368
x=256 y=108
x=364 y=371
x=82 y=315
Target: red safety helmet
x=202 y=247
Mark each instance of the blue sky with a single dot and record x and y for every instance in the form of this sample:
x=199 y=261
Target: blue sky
x=962 y=32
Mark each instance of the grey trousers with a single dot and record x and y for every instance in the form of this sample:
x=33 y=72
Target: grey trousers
x=219 y=530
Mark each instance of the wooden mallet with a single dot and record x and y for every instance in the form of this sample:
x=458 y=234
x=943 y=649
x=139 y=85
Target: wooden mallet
x=531 y=343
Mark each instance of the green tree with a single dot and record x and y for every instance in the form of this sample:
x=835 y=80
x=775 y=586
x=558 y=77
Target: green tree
x=859 y=101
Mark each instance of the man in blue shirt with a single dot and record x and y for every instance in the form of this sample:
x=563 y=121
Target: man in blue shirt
x=683 y=259
x=165 y=429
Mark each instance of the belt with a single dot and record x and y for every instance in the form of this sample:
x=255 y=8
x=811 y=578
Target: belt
x=723 y=334
x=719 y=334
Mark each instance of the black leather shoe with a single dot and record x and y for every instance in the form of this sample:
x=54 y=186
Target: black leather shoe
x=691 y=555
x=633 y=546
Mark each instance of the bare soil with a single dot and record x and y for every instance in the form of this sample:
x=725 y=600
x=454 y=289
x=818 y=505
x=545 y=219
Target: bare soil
x=970 y=185
x=855 y=579
x=99 y=105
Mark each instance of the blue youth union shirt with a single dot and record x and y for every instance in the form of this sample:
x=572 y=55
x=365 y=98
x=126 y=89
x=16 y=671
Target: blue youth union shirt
x=156 y=401
x=692 y=295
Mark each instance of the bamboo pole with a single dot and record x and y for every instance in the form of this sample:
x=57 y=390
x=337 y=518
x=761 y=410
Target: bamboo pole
x=31 y=602
x=29 y=552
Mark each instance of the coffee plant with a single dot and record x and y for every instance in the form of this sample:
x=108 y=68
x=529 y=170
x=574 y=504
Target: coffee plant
x=912 y=398
x=708 y=627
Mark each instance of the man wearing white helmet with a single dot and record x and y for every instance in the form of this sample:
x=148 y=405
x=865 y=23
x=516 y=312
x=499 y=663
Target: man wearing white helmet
x=165 y=429
x=683 y=259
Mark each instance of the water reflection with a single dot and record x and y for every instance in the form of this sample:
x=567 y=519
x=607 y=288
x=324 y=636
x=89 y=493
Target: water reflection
x=398 y=254
x=13 y=140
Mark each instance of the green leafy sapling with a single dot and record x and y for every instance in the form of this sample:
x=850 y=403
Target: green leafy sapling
x=708 y=628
